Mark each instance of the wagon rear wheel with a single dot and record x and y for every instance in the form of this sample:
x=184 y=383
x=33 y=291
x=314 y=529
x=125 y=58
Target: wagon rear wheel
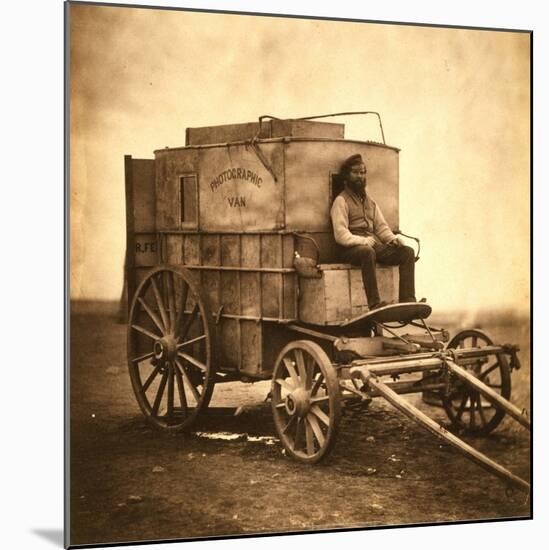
x=305 y=401
x=467 y=410
x=170 y=348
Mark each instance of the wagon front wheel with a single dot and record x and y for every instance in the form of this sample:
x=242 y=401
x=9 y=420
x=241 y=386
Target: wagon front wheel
x=170 y=348
x=305 y=401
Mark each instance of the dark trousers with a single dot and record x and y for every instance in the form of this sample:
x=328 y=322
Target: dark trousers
x=366 y=257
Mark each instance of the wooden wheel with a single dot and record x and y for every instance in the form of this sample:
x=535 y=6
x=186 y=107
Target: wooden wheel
x=170 y=348
x=305 y=401
x=466 y=408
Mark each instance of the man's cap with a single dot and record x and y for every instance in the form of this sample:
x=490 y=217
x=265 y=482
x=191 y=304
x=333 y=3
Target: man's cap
x=351 y=161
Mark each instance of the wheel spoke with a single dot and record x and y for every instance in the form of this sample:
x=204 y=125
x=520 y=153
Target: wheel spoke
x=159 y=394
x=188 y=381
x=488 y=370
x=170 y=390
x=151 y=377
x=180 y=389
x=189 y=321
x=461 y=408
x=168 y=275
x=142 y=357
x=285 y=385
x=309 y=438
x=146 y=332
x=316 y=429
x=320 y=414
x=159 y=303
x=291 y=371
x=496 y=386
x=475 y=341
x=182 y=304
x=472 y=422
x=151 y=314
x=481 y=411
x=321 y=399
x=310 y=368
x=289 y=423
x=301 y=367
x=192 y=341
x=474 y=367
x=193 y=361
x=317 y=384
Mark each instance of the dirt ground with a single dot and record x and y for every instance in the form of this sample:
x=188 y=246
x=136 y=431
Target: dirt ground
x=129 y=482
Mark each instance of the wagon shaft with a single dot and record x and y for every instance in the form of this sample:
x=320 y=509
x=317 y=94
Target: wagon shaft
x=489 y=393
x=443 y=364
x=423 y=420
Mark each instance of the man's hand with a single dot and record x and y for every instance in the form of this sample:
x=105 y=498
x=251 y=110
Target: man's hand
x=369 y=241
x=397 y=241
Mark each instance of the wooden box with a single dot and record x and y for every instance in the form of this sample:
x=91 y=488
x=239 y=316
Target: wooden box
x=227 y=133
x=339 y=294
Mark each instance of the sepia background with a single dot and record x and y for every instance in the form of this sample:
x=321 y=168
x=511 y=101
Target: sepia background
x=456 y=102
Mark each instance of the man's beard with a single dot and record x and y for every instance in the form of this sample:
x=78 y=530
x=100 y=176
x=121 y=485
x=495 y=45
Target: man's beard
x=358 y=187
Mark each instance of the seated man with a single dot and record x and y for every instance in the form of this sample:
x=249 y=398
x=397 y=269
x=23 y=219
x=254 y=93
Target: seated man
x=365 y=238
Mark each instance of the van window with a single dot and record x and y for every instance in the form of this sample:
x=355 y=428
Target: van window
x=188 y=193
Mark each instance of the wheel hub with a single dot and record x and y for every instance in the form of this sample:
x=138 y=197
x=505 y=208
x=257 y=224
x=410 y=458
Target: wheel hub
x=165 y=349
x=297 y=402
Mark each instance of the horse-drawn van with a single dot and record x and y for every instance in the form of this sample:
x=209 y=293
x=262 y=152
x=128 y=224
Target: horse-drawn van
x=233 y=274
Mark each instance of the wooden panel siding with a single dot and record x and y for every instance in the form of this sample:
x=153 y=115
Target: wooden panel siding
x=211 y=285
x=250 y=248
x=211 y=249
x=290 y=296
x=145 y=249
x=337 y=300
x=171 y=165
x=144 y=198
x=359 y=303
x=288 y=247
x=271 y=251
x=230 y=292
x=191 y=250
x=229 y=338
x=270 y=294
x=174 y=249
x=250 y=289
x=230 y=250
x=339 y=295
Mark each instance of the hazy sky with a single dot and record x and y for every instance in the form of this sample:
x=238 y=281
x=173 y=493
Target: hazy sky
x=455 y=101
